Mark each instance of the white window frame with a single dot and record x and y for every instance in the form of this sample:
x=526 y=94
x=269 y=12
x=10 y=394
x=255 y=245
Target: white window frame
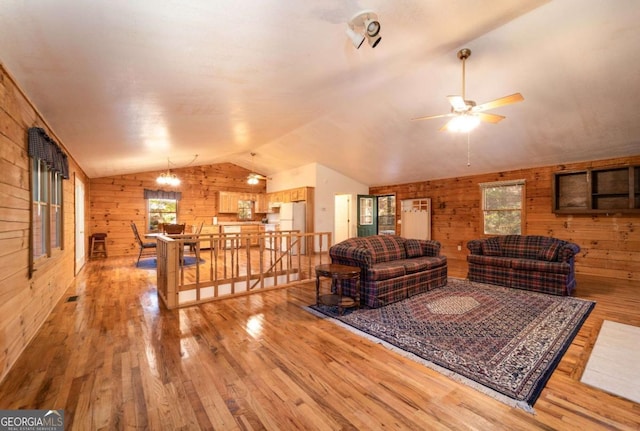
x=151 y=228
x=517 y=207
x=47 y=205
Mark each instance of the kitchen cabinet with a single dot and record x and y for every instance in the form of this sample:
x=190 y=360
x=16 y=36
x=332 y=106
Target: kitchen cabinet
x=261 y=205
x=228 y=202
x=292 y=195
x=299 y=194
x=275 y=197
x=597 y=191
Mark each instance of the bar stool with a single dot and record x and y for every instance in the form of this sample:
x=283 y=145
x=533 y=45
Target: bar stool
x=98 y=245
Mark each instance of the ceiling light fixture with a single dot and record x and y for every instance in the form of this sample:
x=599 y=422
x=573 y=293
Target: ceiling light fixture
x=169 y=179
x=368 y=27
x=252 y=179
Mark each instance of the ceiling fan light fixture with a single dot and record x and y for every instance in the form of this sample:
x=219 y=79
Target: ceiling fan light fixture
x=466 y=114
x=463 y=123
x=253 y=178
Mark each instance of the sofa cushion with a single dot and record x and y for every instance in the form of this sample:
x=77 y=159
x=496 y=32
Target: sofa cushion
x=424 y=263
x=385 y=271
x=414 y=248
x=412 y=266
x=504 y=262
x=533 y=265
x=550 y=252
x=491 y=247
x=523 y=246
x=385 y=248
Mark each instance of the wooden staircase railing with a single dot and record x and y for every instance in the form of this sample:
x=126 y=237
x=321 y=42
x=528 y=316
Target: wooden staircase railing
x=235 y=264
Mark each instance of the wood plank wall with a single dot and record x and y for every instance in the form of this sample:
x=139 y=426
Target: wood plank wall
x=25 y=303
x=117 y=201
x=610 y=244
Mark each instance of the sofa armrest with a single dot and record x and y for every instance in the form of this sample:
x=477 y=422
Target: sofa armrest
x=430 y=247
x=475 y=246
x=568 y=252
x=351 y=255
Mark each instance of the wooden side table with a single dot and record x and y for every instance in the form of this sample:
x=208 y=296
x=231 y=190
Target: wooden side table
x=338 y=273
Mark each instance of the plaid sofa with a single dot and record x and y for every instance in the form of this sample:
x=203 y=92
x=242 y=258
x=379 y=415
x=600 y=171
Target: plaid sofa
x=392 y=268
x=531 y=262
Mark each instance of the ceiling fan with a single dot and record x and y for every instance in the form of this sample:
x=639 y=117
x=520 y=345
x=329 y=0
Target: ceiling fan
x=466 y=115
x=253 y=177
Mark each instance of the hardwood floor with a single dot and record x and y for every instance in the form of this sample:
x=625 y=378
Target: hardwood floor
x=117 y=359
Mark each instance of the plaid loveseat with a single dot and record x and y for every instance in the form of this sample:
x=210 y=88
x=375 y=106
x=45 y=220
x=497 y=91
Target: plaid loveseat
x=532 y=262
x=392 y=268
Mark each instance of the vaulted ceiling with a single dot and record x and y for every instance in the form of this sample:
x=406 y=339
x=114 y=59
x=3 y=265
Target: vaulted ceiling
x=127 y=85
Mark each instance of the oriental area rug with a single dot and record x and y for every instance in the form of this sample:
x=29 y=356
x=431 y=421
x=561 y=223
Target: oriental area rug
x=504 y=342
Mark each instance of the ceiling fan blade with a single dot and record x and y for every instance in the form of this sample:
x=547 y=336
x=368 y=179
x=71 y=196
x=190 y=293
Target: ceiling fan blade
x=445 y=127
x=490 y=118
x=429 y=117
x=458 y=103
x=506 y=100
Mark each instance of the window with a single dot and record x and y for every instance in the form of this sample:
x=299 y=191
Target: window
x=47 y=209
x=162 y=207
x=40 y=208
x=502 y=206
x=366 y=211
x=55 y=210
x=163 y=211
x=387 y=215
x=244 y=210
x=49 y=166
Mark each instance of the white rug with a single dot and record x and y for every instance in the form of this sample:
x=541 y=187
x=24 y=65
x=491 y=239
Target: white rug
x=614 y=364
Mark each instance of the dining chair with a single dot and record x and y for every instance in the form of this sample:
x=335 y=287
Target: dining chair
x=143 y=245
x=174 y=229
x=193 y=244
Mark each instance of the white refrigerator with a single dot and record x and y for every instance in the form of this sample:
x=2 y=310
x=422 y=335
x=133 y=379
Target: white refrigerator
x=293 y=217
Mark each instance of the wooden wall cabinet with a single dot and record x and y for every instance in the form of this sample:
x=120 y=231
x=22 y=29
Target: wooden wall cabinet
x=228 y=202
x=597 y=191
x=275 y=197
x=299 y=194
x=291 y=195
x=261 y=205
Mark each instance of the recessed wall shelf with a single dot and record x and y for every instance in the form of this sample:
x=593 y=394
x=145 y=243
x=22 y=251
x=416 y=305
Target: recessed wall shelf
x=597 y=191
